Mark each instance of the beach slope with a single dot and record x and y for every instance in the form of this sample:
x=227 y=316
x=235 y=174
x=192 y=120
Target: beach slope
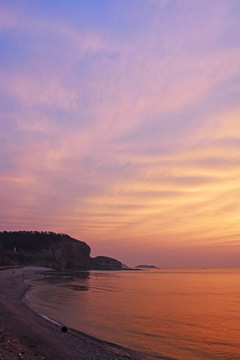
x=26 y=335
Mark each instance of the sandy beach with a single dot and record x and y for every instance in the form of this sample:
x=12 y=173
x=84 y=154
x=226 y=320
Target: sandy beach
x=26 y=335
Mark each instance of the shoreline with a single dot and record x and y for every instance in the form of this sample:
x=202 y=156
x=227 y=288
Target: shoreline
x=25 y=334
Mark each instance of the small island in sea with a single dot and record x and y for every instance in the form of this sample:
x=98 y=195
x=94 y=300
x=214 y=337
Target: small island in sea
x=146 y=267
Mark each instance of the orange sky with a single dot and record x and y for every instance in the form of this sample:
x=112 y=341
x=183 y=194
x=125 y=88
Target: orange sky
x=120 y=126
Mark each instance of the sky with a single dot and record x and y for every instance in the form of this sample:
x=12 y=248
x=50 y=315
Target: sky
x=120 y=126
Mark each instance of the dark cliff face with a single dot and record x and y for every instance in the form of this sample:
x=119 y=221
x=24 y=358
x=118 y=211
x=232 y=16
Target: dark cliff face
x=2 y=260
x=48 y=249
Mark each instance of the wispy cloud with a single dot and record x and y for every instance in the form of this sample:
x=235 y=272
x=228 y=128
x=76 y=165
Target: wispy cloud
x=120 y=123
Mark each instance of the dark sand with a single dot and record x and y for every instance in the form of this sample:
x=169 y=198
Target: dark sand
x=26 y=335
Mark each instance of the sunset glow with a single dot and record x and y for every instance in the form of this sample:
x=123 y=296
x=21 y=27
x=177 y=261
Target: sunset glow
x=120 y=126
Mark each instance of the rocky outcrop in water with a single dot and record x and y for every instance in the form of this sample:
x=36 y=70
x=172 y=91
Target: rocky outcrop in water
x=105 y=263
x=146 y=267
x=48 y=249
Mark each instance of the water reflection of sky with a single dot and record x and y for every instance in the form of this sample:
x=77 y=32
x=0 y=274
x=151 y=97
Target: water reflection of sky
x=169 y=313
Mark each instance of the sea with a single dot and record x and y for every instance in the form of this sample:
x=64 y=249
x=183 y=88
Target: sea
x=176 y=314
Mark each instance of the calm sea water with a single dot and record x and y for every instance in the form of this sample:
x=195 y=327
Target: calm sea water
x=164 y=314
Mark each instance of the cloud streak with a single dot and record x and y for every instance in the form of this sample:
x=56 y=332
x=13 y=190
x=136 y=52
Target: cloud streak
x=122 y=127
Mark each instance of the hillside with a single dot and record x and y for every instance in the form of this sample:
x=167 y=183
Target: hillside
x=48 y=249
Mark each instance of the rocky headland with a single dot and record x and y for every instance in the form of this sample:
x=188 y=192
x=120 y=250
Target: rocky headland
x=51 y=250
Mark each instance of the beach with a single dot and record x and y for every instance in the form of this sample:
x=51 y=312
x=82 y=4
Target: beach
x=26 y=335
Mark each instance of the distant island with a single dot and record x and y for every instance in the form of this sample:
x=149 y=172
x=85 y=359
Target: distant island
x=146 y=267
x=52 y=250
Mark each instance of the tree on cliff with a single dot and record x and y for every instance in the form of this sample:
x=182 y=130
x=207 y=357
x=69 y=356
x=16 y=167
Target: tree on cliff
x=29 y=240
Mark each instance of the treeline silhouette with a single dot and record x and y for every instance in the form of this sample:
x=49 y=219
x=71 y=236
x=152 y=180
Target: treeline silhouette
x=29 y=240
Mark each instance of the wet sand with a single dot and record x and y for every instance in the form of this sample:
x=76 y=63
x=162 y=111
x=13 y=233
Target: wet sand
x=26 y=335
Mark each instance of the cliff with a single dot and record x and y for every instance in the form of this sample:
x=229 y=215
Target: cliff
x=48 y=249
x=2 y=258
